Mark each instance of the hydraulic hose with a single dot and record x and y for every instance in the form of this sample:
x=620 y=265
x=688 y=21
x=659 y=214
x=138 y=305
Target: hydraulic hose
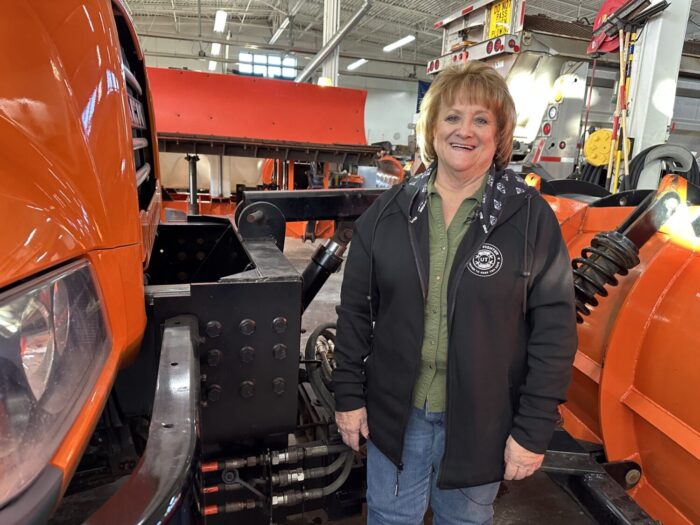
x=276 y=457
x=291 y=497
x=284 y=477
x=637 y=166
x=347 y=466
x=294 y=497
x=314 y=372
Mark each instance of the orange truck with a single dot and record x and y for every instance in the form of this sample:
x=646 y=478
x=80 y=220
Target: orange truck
x=129 y=346
x=81 y=202
x=169 y=352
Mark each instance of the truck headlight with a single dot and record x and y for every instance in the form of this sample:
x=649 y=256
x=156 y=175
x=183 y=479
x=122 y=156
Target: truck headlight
x=54 y=340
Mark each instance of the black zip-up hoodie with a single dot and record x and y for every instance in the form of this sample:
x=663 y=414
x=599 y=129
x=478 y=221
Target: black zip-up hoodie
x=511 y=326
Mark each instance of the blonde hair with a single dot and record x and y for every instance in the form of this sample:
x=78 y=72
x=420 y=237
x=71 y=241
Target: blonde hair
x=476 y=83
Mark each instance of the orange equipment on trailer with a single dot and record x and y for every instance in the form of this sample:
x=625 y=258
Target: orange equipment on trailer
x=282 y=121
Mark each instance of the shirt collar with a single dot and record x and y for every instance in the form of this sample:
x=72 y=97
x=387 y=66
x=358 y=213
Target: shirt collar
x=478 y=195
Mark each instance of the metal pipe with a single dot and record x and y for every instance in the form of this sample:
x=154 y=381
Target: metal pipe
x=328 y=48
x=297 y=50
x=221 y=176
x=326 y=260
x=193 y=207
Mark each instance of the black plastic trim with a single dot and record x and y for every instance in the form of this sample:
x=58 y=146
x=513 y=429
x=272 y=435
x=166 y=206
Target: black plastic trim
x=36 y=504
x=161 y=486
x=623 y=198
x=563 y=186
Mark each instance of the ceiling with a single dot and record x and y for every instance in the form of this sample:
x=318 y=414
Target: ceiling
x=253 y=22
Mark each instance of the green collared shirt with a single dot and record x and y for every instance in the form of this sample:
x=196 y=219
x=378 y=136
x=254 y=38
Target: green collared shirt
x=430 y=388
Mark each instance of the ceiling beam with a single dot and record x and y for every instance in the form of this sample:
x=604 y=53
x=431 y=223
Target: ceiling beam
x=302 y=51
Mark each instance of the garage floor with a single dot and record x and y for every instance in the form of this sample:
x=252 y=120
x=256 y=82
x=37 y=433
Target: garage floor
x=536 y=500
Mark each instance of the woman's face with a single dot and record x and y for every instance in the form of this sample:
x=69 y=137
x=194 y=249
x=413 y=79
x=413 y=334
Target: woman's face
x=465 y=139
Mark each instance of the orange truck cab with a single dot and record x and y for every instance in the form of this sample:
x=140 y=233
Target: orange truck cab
x=80 y=199
x=129 y=346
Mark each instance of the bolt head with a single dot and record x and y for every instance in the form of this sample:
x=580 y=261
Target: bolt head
x=228 y=476
x=247 y=389
x=632 y=477
x=247 y=354
x=214 y=393
x=279 y=351
x=213 y=329
x=247 y=327
x=278 y=385
x=279 y=324
x=214 y=357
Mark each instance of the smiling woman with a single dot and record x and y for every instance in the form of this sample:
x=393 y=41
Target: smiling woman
x=454 y=284
x=472 y=84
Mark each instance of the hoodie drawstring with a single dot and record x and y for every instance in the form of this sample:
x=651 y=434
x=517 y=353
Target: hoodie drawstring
x=525 y=273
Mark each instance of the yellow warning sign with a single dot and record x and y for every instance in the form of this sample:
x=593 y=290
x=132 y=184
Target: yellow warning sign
x=500 y=18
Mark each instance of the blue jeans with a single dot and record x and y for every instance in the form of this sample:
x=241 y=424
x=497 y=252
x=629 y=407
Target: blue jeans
x=416 y=484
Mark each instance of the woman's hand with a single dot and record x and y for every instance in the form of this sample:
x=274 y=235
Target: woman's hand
x=350 y=425
x=520 y=462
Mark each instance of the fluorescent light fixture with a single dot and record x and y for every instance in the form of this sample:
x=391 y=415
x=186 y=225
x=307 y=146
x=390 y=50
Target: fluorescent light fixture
x=356 y=64
x=212 y=65
x=215 y=49
x=220 y=21
x=395 y=45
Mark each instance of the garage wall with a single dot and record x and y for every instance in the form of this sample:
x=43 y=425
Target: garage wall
x=174 y=172
x=389 y=108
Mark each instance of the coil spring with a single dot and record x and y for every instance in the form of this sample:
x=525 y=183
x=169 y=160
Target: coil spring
x=610 y=254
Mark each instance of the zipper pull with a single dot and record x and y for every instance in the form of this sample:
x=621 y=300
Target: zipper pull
x=398 y=471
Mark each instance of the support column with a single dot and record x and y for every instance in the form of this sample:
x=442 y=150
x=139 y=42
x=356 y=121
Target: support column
x=193 y=205
x=657 y=59
x=331 y=24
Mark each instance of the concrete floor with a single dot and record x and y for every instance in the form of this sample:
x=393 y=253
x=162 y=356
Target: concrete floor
x=536 y=500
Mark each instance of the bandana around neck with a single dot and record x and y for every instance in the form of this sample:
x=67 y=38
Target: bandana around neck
x=499 y=186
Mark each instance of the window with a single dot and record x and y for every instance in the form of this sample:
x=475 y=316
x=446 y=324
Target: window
x=269 y=66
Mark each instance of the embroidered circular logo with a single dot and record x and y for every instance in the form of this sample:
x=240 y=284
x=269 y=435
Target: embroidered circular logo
x=487 y=261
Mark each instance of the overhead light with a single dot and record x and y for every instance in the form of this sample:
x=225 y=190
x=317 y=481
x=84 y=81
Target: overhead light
x=324 y=82
x=220 y=21
x=215 y=49
x=356 y=64
x=395 y=45
x=212 y=65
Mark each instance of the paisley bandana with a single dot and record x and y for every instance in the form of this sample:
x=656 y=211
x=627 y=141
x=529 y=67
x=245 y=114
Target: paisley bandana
x=499 y=186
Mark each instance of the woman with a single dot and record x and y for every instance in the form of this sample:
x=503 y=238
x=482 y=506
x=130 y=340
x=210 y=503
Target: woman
x=456 y=328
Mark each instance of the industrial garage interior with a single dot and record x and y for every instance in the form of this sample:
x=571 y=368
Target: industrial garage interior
x=184 y=181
